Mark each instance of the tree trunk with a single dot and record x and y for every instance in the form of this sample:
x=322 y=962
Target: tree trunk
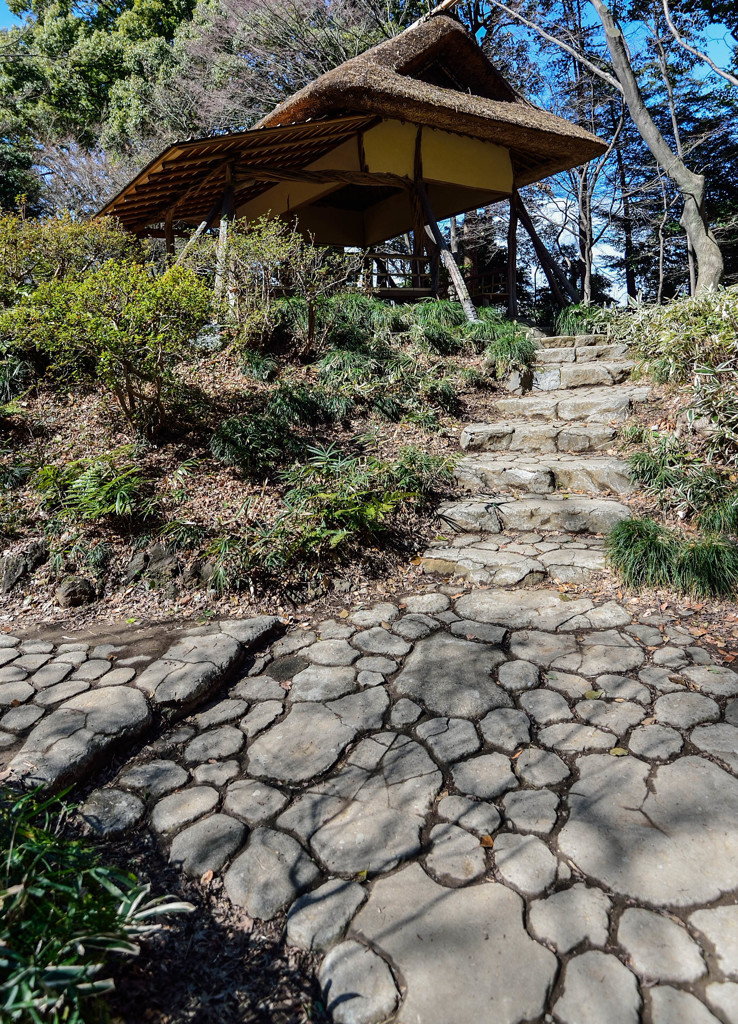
x=692 y=270
x=691 y=185
x=585 y=234
x=453 y=230
x=630 y=281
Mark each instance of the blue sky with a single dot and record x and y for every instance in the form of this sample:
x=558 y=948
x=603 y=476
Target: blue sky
x=6 y=18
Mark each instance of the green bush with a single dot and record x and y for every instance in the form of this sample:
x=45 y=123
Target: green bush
x=645 y=553
x=391 y=382
x=508 y=352
x=691 y=341
x=266 y=260
x=716 y=399
x=303 y=404
x=63 y=916
x=121 y=325
x=419 y=473
x=34 y=251
x=257 y=365
x=256 y=443
x=676 y=339
x=90 y=489
x=581 y=319
x=437 y=325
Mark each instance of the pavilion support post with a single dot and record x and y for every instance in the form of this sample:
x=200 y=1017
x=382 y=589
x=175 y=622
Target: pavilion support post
x=201 y=227
x=434 y=256
x=169 y=231
x=447 y=256
x=221 y=258
x=221 y=252
x=512 y=261
x=557 y=279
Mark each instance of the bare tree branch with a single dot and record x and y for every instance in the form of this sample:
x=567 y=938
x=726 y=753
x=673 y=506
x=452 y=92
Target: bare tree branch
x=604 y=75
x=693 y=49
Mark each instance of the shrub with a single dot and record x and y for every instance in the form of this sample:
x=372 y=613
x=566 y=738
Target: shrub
x=648 y=554
x=301 y=404
x=419 y=473
x=34 y=251
x=63 y=915
x=437 y=324
x=14 y=475
x=716 y=399
x=265 y=439
x=332 y=500
x=257 y=365
x=677 y=338
x=267 y=259
x=120 y=325
x=334 y=496
x=95 y=488
x=510 y=351
x=581 y=319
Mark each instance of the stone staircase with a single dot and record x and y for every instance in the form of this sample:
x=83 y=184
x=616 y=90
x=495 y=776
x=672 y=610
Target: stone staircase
x=543 y=489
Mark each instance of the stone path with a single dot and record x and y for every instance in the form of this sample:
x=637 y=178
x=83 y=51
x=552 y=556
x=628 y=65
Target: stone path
x=478 y=804
x=539 y=472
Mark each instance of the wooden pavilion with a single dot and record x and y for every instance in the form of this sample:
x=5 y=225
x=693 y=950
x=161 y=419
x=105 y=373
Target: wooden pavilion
x=417 y=129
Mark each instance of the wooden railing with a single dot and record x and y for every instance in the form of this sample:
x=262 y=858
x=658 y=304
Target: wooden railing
x=404 y=277
x=400 y=275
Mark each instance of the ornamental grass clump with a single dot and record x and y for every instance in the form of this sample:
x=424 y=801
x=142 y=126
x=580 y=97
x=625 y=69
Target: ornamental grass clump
x=647 y=554
x=64 y=916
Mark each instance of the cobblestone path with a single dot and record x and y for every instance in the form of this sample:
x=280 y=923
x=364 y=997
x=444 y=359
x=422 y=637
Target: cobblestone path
x=500 y=805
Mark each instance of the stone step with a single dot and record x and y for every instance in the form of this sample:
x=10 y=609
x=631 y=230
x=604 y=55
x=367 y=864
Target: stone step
x=566 y=514
x=572 y=340
x=532 y=437
x=544 y=474
x=517 y=561
x=596 y=405
x=584 y=354
x=573 y=375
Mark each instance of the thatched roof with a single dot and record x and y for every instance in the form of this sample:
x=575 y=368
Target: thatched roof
x=191 y=174
x=436 y=74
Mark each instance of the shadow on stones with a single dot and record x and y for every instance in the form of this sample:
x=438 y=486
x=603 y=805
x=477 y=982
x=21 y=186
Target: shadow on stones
x=213 y=966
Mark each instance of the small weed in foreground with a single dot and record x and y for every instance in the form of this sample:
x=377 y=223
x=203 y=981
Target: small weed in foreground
x=646 y=554
x=62 y=916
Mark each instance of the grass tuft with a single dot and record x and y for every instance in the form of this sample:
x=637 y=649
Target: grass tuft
x=646 y=554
